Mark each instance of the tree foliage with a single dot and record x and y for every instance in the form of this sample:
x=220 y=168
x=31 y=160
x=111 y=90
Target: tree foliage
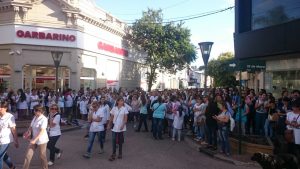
x=217 y=69
x=168 y=46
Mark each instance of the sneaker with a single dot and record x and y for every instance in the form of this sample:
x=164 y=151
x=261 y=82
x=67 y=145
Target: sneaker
x=59 y=154
x=87 y=155
x=50 y=163
x=101 y=151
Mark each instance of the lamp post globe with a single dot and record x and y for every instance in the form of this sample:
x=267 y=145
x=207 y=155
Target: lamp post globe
x=205 y=48
x=56 y=56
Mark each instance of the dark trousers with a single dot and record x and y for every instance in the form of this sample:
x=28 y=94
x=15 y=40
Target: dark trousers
x=260 y=120
x=68 y=113
x=157 y=127
x=212 y=135
x=250 y=124
x=143 y=119
x=51 y=146
x=117 y=138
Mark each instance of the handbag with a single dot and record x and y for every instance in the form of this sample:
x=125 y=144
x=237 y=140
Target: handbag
x=27 y=135
x=289 y=134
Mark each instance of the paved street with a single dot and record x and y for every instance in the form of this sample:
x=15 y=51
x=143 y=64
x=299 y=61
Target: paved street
x=140 y=152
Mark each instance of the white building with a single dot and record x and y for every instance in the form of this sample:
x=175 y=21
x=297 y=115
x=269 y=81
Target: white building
x=94 y=52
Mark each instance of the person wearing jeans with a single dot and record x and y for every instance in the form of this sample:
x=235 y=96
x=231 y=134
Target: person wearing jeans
x=143 y=114
x=118 y=118
x=158 y=117
x=39 y=139
x=261 y=114
x=8 y=134
x=223 y=120
x=96 y=118
x=54 y=133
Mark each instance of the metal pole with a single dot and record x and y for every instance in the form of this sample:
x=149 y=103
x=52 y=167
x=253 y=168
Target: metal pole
x=56 y=80
x=205 y=78
x=240 y=113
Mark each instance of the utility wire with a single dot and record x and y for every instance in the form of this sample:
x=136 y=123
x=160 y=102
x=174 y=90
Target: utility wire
x=180 y=19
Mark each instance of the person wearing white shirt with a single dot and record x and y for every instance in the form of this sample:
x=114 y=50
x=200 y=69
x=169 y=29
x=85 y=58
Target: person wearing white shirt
x=83 y=107
x=8 y=134
x=54 y=119
x=178 y=123
x=119 y=116
x=96 y=118
x=104 y=108
x=22 y=105
x=34 y=100
x=293 y=123
x=68 y=106
x=39 y=138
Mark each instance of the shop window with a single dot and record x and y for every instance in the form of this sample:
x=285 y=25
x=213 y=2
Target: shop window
x=88 y=78
x=5 y=74
x=285 y=79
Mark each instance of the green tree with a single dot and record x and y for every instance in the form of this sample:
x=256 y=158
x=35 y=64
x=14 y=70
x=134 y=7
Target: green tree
x=167 y=45
x=217 y=68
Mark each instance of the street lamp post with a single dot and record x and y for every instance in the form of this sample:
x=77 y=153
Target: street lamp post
x=205 y=48
x=56 y=56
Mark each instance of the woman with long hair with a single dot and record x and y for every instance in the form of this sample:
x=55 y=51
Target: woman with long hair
x=22 y=105
x=118 y=118
x=223 y=120
x=54 y=118
x=37 y=136
x=143 y=114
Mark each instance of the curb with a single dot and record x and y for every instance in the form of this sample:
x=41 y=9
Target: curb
x=20 y=134
x=217 y=156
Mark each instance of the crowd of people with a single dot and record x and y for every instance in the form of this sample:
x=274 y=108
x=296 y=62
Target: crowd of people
x=210 y=115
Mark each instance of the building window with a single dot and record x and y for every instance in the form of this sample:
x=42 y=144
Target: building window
x=289 y=80
x=88 y=78
x=5 y=75
x=267 y=13
x=38 y=77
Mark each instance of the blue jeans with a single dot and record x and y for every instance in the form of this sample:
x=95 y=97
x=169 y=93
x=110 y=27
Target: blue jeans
x=3 y=149
x=200 y=131
x=260 y=120
x=92 y=136
x=223 y=134
x=157 y=128
x=268 y=129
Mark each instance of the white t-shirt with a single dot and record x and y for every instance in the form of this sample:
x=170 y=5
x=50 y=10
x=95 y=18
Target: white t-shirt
x=293 y=117
x=61 y=102
x=83 y=107
x=37 y=124
x=178 y=121
x=32 y=102
x=22 y=104
x=119 y=115
x=55 y=131
x=105 y=110
x=6 y=123
x=97 y=126
x=69 y=101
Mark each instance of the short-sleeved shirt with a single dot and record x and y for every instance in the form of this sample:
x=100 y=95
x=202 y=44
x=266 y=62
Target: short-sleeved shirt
x=55 y=131
x=119 y=116
x=97 y=126
x=37 y=124
x=7 y=121
x=293 y=117
x=105 y=110
x=159 y=110
x=33 y=101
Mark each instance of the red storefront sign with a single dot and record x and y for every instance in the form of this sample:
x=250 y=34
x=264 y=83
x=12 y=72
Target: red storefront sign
x=112 y=49
x=45 y=36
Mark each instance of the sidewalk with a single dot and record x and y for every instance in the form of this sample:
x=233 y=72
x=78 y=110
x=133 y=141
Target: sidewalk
x=239 y=160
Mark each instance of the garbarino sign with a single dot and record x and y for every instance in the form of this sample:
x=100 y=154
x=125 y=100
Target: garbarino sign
x=45 y=36
x=112 y=49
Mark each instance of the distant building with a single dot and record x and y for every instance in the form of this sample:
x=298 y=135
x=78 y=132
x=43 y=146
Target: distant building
x=269 y=30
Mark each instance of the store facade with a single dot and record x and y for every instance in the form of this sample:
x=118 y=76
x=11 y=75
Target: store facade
x=94 y=52
x=269 y=31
